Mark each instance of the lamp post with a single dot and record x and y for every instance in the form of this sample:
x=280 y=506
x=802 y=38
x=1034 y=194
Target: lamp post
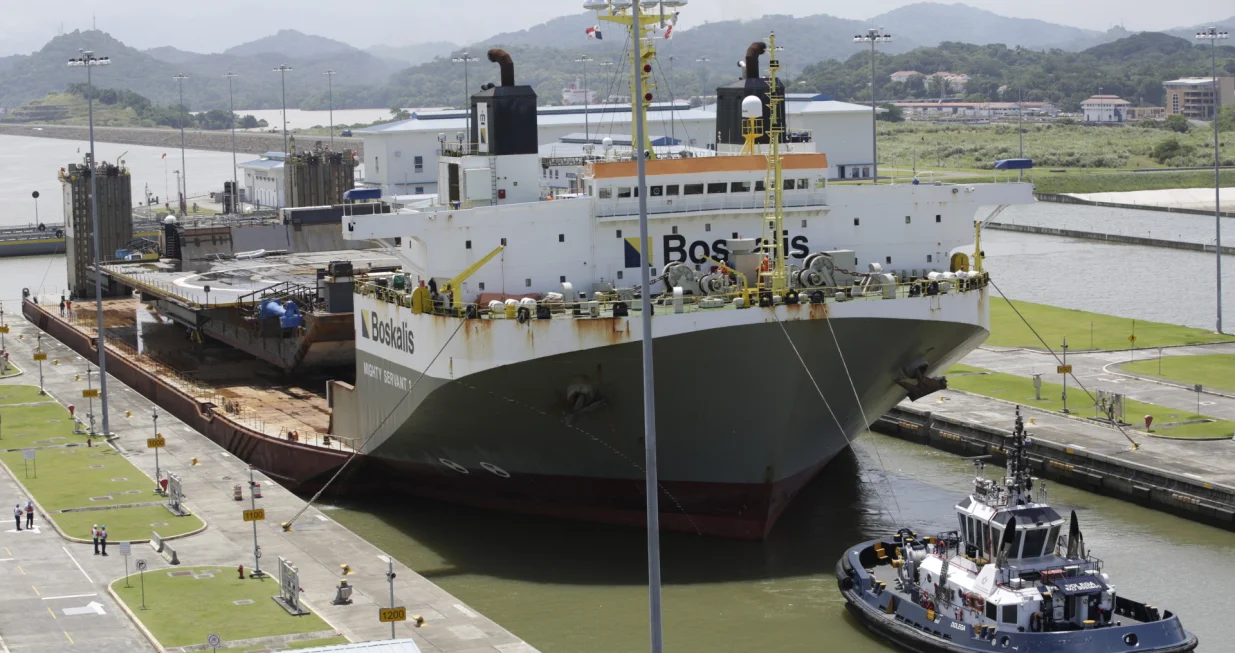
x=1212 y=35
x=184 y=170
x=465 y=59
x=585 y=60
x=231 y=105
x=873 y=35
x=283 y=69
x=89 y=61
x=330 y=94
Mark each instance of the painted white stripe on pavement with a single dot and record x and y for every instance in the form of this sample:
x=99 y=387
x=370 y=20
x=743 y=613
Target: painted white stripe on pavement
x=70 y=596
x=83 y=571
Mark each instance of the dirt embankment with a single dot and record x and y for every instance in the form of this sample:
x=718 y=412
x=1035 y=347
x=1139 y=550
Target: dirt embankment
x=219 y=141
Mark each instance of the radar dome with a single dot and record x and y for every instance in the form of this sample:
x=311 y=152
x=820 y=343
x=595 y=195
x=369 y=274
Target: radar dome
x=171 y=219
x=752 y=107
x=607 y=142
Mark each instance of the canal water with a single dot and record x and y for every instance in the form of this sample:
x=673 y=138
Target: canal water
x=569 y=587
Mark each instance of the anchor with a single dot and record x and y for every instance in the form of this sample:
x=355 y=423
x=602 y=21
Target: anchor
x=918 y=384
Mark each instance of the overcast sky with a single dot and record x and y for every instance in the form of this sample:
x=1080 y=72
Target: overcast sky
x=215 y=25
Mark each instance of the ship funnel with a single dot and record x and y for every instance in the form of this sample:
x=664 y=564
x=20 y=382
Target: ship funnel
x=502 y=59
x=752 y=58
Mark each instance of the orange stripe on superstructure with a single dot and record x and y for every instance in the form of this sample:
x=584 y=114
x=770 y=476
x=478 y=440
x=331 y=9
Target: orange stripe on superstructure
x=618 y=169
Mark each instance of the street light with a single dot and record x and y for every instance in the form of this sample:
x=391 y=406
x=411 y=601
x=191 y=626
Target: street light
x=464 y=59
x=231 y=105
x=330 y=92
x=1212 y=35
x=283 y=69
x=873 y=35
x=88 y=60
x=184 y=170
x=585 y=60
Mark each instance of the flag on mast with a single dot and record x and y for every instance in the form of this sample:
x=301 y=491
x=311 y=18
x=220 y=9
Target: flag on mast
x=593 y=32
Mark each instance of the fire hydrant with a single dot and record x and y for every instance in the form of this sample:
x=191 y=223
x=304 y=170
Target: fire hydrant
x=240 y=570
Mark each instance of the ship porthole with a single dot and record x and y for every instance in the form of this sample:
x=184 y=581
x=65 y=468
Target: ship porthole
x=1131 y=639
x=454 y=465
x=494 y=469
x=1005 y=641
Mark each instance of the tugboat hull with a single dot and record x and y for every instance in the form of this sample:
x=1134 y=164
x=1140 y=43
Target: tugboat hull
x=906 y=625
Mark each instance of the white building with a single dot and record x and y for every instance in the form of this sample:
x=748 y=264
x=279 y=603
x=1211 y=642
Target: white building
x=263 y=180
x=903 y=76
x=401 y=157
x=1105 y=108
x=574 y=94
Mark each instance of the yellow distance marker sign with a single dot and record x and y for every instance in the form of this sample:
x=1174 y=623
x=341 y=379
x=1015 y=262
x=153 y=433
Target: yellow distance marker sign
x=255 y=515
x=1064 y=369
x=90 y=394
x=388 y=615
x=4 y=328
x=156 y=443
x=40 y=356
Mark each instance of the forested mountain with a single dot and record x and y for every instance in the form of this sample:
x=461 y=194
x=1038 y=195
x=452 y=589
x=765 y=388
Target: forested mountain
x=410 y=55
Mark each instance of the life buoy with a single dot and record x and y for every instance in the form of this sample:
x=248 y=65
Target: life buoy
x=59 y=233
x=1035 y=622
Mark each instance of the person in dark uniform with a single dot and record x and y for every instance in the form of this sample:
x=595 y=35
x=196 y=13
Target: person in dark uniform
x=103 y=538
x=17 y=515
x=94 y=535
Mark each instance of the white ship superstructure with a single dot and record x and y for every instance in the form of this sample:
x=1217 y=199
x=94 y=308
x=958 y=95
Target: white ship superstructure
x=502 y=367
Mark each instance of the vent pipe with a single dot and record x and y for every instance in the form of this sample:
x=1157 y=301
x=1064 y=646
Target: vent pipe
x=502 y=59
x=752 y=58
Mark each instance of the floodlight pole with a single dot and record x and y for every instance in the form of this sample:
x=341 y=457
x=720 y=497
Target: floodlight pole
x=873 y=35
x=184 y=170
x=1212 y=35
x=465 y=59
x=231 y=105
x=330 y=94
x=585 y=60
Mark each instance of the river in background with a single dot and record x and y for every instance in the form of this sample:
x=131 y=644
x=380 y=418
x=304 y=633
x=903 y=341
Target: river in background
x=299 y=119
x=29 y=163
x=569 y=587
x=1183 y=227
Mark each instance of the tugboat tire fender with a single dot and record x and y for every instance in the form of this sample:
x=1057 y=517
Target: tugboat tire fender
x=846 y=583
x=1035 y=622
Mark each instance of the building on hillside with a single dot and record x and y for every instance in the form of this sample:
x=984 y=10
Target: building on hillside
x=401 y=157
x=1193 y=97
x=956 y=81
x=903 y=76
x=927 y=110
x=1141 y=113
x=115 y=211
x=1105 y=108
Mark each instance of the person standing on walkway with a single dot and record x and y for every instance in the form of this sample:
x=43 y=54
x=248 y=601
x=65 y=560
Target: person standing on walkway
x=17 y=515
x=30 y=513
x=61 y=305
x=103 y=538
x=94 y=535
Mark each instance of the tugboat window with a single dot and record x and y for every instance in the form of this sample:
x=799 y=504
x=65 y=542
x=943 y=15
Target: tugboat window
x=992 y=611
x=1016 y=547
x=1034 y=540
x=1052 y=539
x=1009 y=614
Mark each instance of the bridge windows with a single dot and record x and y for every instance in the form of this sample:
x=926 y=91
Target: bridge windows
x=671 y=189
x=604 y=192
x=692 y=189
x=938 y=218
x=739 y=187
x=716 y=188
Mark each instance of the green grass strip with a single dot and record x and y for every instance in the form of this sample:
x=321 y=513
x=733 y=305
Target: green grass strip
x=1020 y=390
x=1215 y=371
x=182 y=609
x=1085 y=330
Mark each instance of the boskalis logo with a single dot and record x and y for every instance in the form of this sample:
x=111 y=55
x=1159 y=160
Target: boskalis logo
x=386 y=332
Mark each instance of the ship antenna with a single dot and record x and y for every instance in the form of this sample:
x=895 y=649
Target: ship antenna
x=778 y=276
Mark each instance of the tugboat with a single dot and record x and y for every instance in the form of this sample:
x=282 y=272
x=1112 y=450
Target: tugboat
x=1007 y=579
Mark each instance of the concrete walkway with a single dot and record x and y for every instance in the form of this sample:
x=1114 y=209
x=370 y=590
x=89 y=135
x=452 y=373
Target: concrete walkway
x=1100 y=371
x=317 y=545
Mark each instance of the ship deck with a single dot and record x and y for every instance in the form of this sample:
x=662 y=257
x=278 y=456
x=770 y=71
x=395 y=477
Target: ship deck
x=231 y=281
x=250 y=390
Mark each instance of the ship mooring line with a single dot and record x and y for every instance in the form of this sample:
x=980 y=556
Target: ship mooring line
x=827 y=405
x=356 y=451
x=1135 y=445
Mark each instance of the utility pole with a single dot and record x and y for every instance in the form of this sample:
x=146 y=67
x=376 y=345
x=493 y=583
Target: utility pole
x=184 y=170
x=231 y=105
x=257 y=550
x=585 y=60
x=90 y=405
x=154 y=416
x=283 y=69
x=651 y=485
x=390 y=578
x=873 y=35
x=465 y=59
x=1212 y=35
x=1065 y=375
x=89 y=61
x=330 y=94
